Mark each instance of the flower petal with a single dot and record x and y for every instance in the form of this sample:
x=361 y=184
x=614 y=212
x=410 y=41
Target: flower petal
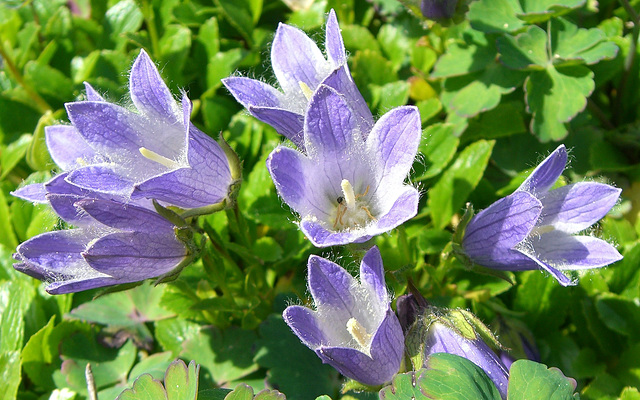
x=320 y=236
x=54 y=254
x=329 y=125
x=67 y=147
x=148 y=91
x=206 y=181
x=560 y=277
x=372 y=276
x=295 y=58
x=395 y=139
x=35 y=193
x=501 y=226
x=91 y=93
x=340 y=79
x=567 y=252
x=334 y=46
x=125 y=216
x=79 y=284
x=135 y=255
x=287 y=123
x=305 y=325
x=573 y=208
x=404 y=207
x=330 y=284
x=547 y=173
x=387 y=349
x=100 y=178
x=288 y=171
x=251 y=92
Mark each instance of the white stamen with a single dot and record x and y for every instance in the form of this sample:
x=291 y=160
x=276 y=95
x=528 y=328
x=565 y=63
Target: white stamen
x=358 y=332
x=539 y=230
x=349 y=194
x=153 y=156
x=308 y=93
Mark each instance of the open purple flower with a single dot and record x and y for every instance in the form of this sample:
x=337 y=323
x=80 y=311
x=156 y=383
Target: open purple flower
x=153 y=152
x=534 y=227
x=349 y=185
x=300 y=68
x=116 y=243
x=353 y=327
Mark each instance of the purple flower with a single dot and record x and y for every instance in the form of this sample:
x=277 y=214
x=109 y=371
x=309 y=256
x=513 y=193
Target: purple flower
x=300 y=68
x=534 y=227
x=438 y=9
x=348 y=185
x=153 y=152
x=444 y=337
x=115 y=243
x=353 y=327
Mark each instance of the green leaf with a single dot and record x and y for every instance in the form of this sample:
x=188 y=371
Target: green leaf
x=448 y=195
x=370 y=67
x=123 y=17
x=144 y=388
x=18 y=295
x=405 y=386
x=8 y=237
x=393 y=95
x=495 y=16
x=224 y=355
x=239 y=14
x=221 y=65
x=472 y=94
x=175 y=45
x=395 y=44
x=126 y=308
x=358 y=37
x=504 y=120
x=154 y=365
x=13 y=153
x=630 y=393
x=527 y=50
x=585 y=45
x=10 y=364
x=530 y=380
x=49 y=81
x=245 y=392
x=554 y=97
x=535 y=11
x=438 y=148
x=181 y=382
x=300 y=373
x=38 y=156
x=619 y=314
x=461 y=58
x=451 y=377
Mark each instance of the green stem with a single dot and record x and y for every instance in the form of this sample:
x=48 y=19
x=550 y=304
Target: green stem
x=42 y=105
x=150 y=19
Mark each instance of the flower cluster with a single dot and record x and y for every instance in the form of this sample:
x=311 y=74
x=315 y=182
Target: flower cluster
x=132 y=178
x=115 y=163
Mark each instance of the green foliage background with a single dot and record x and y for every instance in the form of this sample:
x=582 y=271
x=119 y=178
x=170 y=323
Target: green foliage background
x=497 y=87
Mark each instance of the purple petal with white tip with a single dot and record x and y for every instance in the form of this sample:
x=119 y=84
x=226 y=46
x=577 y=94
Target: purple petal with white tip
x=296 y=58
x=67 y=147
x=334 y=46
x=547 y=173
x=125 y=216
x=501 y=226
x=35 y=193
x=573 y=208
x=330 y=284
x=372 y=273
x=148 y=91
x=152 y=254
x=305 y=325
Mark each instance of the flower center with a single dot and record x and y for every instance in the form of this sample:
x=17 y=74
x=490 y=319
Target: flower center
x=352 y=211
x=358 y=332
x=539 y=230
x=153 y=156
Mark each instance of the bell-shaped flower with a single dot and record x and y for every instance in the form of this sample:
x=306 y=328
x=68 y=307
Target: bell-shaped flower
x=535 y=227
x=349 y=185
x=352 y=327
x=300 y=67
x=438 y=9
x=116 y=243
x=153 y=152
